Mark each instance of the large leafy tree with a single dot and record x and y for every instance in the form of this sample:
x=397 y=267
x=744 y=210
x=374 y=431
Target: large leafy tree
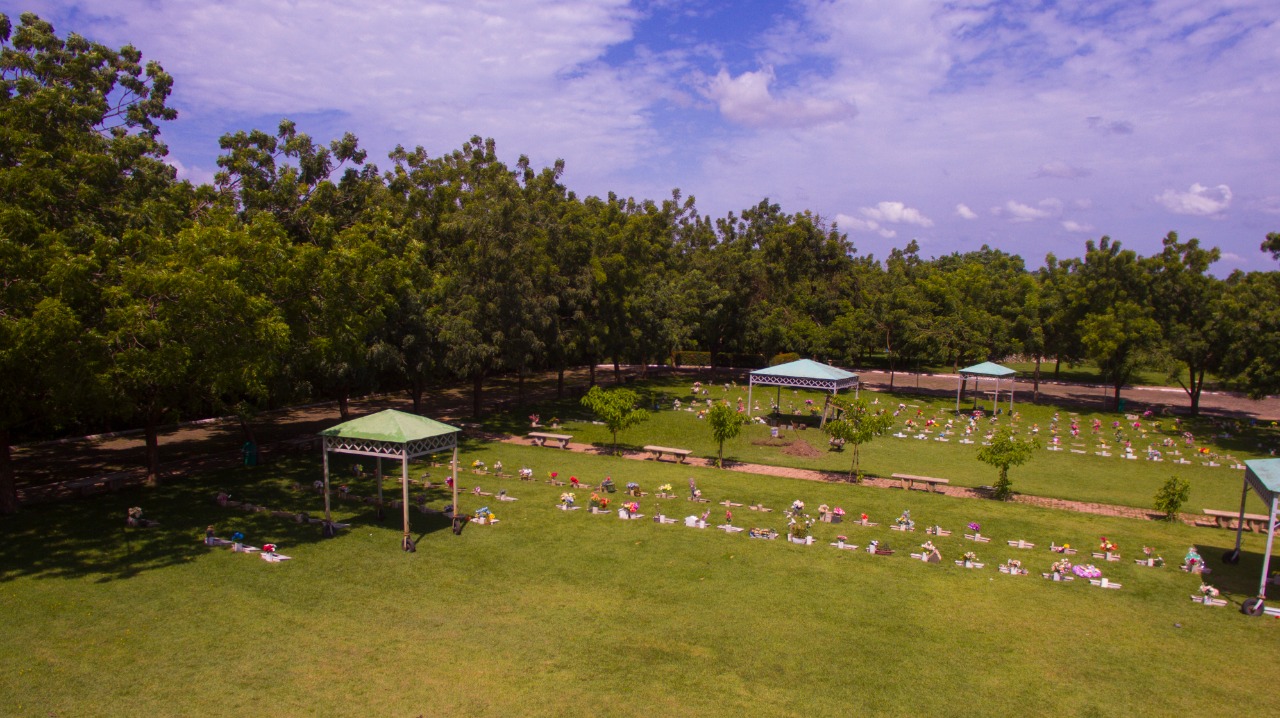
x=80 y=159
x=1110 y=290
x=186 y=328
x=1249 y=316
x=1183 y=295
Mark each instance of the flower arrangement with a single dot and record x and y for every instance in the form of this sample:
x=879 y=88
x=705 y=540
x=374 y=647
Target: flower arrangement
x=526 y=473
x=823 y=509
x=567 y=498
x=497 y=467
x=797 y=506
x=477 y=464
x=533 y=418
x=762 y=533
x=553 y=474
x=665 y=488
x=484 y=514
x=1107 y=546
x=573 y=481
x=905 y=520
x=1209 y=591
x=1087 y=570
x=837 y=511
x=842 y=539
x=632 y=507
x=1013 y=564
x=271 y=548
x=555 y=421
x=975 y=527
x=595 y=500
x=1062 y=566
x=697 y=493
x=863 y=518
x=928 y=547
x=970 y=557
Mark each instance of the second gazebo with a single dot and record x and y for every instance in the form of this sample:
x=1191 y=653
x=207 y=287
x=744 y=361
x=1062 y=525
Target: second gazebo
x=803 y=373
x=989 y=370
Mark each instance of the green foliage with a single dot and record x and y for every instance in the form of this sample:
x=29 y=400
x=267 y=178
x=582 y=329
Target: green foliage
x=857 y=424
x=1171 y=497
x=1006 y=451
x=783 y=358
x=726 y=423
x=616 y=408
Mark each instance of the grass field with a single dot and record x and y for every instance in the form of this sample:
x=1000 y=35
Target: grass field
x=1062 y=474
x=569 y=614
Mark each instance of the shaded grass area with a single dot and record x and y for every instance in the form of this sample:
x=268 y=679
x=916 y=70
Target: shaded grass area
x=1064 y=475
x=565 y=613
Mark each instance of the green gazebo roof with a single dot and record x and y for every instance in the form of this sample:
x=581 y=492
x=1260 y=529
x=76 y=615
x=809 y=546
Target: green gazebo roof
x=391 y=426
x=988 y=368
x=806 y=369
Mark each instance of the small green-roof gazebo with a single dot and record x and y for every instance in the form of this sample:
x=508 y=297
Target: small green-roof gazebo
x=804 y=373
x=1263 y=476
x=394 y=435
x=990 y=370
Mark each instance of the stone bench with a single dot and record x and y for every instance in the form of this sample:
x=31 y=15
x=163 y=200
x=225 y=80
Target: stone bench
x=678 y=454
x=541 y=438
x=930 y=484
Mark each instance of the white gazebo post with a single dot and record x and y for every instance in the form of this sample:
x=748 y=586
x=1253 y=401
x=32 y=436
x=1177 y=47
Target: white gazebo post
x=404 y=482
x=454 y=464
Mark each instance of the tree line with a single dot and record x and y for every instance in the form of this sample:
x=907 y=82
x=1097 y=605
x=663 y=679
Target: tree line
x=129 y=297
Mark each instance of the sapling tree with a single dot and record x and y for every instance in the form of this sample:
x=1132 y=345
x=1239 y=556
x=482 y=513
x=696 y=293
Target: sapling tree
x=616 y=408
x=1171 y=497
x=725 y=424
x=857 y=424
x=1006 y=450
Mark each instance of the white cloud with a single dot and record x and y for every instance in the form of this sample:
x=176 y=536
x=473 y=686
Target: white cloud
x=1200 y=201
x=746 y=100
x=1061 y=170
x=857 y=224
x=1018 y=212
x=1073 y=226
x=965 y=213
x=896 y=213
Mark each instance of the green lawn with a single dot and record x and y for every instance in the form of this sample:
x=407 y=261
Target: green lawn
x=1062 y=474
x=555 y=613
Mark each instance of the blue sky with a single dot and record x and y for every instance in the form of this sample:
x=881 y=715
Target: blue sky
x=1030 y=126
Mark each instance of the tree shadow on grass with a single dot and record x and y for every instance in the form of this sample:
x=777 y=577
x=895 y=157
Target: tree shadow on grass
x=88 y=536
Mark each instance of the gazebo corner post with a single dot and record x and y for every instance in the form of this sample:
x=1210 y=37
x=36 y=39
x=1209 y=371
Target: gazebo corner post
x=454 y=469
x=751 y=384
x=1244 y=495
x=1266 y=557
x=404 y=487
x=959 y=386
x=324 y=443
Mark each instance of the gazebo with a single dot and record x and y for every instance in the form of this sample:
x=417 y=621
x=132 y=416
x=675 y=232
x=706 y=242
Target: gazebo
x=989 y=370
x=391 y=434
x=804 y=373
x=1263 y=476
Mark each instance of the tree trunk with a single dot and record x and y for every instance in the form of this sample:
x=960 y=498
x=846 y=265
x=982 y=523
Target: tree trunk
x=617 y=371
x=560 y=382
x=344 y=409
x=477 y=387
x=1196 y=386
x=1117 y=397
x=153 y=449
x=416 y=393
x=8 y=483
x=592 y=369
x=1035 y=382
x=1057 y=367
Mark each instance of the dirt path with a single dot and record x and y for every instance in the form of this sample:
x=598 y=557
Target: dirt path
x=828 y=476
x=212 y=443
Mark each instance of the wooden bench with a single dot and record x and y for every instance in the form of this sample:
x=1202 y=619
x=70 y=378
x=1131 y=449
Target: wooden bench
x=930 y=483
x=1253 y=522
x=540 y=438
x=678 y=454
